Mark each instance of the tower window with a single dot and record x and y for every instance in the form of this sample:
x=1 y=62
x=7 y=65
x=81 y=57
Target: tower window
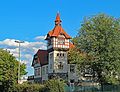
x=61 y=41
x=63 y=54
x=57 y=54
x=60 y=54
x=60 y=65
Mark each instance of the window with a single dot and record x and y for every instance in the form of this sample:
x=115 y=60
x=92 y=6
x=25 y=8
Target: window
x=60 y=55
x=46 y=69
x=50 y=66
x=72 y=68
x=60 y=65
x=71 y=80
x=35 y=72
x=38 y=71
x=63 y=54
x=43 y=70
x=61 y=41
x=57 y=54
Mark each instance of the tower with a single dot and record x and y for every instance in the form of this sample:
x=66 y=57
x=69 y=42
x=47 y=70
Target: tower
x=53 y=61
x=58 y=43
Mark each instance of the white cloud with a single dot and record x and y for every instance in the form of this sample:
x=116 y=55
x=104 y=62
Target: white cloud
x=27 y=49
x=9 y=42
x=24 y=61
x=28 y=56
x=40 y=37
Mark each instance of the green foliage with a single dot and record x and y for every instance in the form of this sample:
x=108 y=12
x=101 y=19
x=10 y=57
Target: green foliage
x=25 y=87
x=9 y=69
x=22 y=69
x=54 y=85
x=75 y=56
x=99 y=38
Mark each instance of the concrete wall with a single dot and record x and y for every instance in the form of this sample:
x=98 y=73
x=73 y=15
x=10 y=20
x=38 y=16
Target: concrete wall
x=72 y=75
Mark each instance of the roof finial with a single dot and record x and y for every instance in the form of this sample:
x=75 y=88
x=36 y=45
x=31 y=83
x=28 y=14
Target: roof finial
x=58 y=21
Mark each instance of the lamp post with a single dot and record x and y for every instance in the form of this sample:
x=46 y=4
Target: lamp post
x=19 y=42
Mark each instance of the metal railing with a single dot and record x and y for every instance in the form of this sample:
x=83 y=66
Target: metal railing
x=103 y=88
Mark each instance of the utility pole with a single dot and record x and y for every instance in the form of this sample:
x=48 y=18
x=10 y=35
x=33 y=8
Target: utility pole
x=19 y=42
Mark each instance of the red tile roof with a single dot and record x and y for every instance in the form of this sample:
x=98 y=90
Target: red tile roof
x=71 y=45
x=42 y=57
x=58 y=20
x=57 y=29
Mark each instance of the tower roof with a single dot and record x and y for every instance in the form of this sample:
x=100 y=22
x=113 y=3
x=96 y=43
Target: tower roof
x=57 y=29
x=58 y=20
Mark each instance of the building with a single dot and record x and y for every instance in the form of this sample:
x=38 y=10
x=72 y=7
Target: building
x=30 y=79
x=53 y=61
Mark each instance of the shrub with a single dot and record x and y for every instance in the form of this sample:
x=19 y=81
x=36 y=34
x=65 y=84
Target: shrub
x=28 y=87
x=54 y=85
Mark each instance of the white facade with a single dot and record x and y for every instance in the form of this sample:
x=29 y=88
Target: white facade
x=60 y=58
x=44 y=72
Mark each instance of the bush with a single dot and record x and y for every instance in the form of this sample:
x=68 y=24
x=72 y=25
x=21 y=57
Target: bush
x=25 y=87
x=54 y=85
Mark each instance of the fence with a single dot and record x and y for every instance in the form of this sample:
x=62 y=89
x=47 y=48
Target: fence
x=104 y=88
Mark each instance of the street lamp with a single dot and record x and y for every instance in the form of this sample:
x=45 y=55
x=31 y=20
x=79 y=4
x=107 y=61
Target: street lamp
x=19 y=42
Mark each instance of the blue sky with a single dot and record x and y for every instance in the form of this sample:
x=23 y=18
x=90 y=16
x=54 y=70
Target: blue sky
x=30 y=20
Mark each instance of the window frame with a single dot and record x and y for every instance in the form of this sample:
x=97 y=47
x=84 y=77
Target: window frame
x=72 y=68
x=61 y=41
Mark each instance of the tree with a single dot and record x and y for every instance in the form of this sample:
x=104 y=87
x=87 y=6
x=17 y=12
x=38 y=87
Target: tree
x=75 y=56
x=9 y=70
x=99 y=38
x=54 y=85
